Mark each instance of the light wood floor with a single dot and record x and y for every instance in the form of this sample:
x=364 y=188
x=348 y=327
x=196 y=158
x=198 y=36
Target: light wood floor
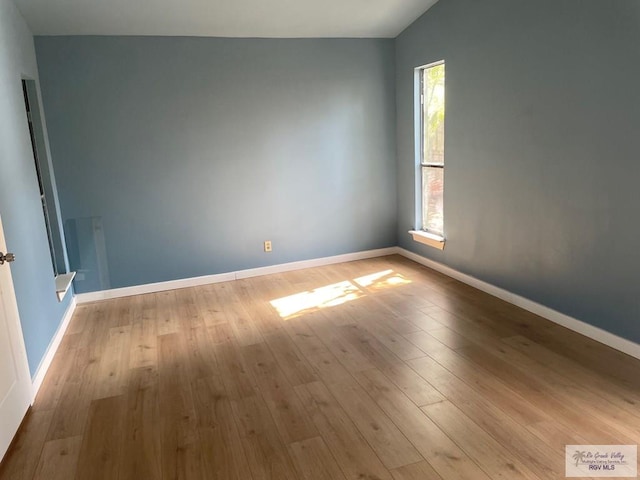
x=377 y=369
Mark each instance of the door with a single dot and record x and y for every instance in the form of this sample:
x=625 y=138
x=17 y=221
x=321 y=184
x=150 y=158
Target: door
x=15 y=381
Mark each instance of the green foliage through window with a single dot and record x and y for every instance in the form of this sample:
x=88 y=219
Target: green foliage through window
x=432 y=95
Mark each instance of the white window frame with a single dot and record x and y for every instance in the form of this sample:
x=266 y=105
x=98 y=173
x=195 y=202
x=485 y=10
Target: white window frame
x=422 y=234
x=46 y=185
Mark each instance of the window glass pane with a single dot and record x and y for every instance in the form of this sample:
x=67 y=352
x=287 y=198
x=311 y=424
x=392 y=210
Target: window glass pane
x=433 y=114
x=432 y=199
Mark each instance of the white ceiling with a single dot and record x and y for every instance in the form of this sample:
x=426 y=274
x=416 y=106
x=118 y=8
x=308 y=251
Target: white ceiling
x=223 y=18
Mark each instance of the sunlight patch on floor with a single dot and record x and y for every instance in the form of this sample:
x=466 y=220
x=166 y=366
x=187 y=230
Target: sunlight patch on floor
x=312 y=300
x=382 y=280
x=293 y=306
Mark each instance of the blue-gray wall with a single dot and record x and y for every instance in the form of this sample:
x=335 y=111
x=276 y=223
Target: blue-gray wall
x=177 y=157
x=542 y=148
x=20 y=208
x=190 y=152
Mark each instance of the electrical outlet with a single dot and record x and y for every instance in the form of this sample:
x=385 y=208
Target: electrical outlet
x=267 y=245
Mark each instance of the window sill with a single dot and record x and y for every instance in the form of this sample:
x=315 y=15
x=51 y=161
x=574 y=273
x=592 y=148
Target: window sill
x=63 y=283
x=426 y=238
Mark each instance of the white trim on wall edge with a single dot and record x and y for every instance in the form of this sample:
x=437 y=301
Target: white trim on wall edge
x=583 y=328
x=226 y=277
x=45 y=363
x=595 y=333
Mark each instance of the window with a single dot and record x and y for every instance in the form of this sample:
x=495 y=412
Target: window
x=432 y=110
x=44 y=174
x=43 y=197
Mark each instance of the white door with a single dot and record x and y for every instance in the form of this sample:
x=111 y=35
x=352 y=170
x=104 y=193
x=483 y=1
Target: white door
x=15 y=381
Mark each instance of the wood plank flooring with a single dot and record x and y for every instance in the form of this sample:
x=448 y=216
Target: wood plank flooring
x=376 y=369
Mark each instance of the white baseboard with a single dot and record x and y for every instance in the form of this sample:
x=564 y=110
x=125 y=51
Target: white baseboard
x=45 y=363
x=153 y=287
x=315 y=262
x=595 y=333
x=226 y=277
